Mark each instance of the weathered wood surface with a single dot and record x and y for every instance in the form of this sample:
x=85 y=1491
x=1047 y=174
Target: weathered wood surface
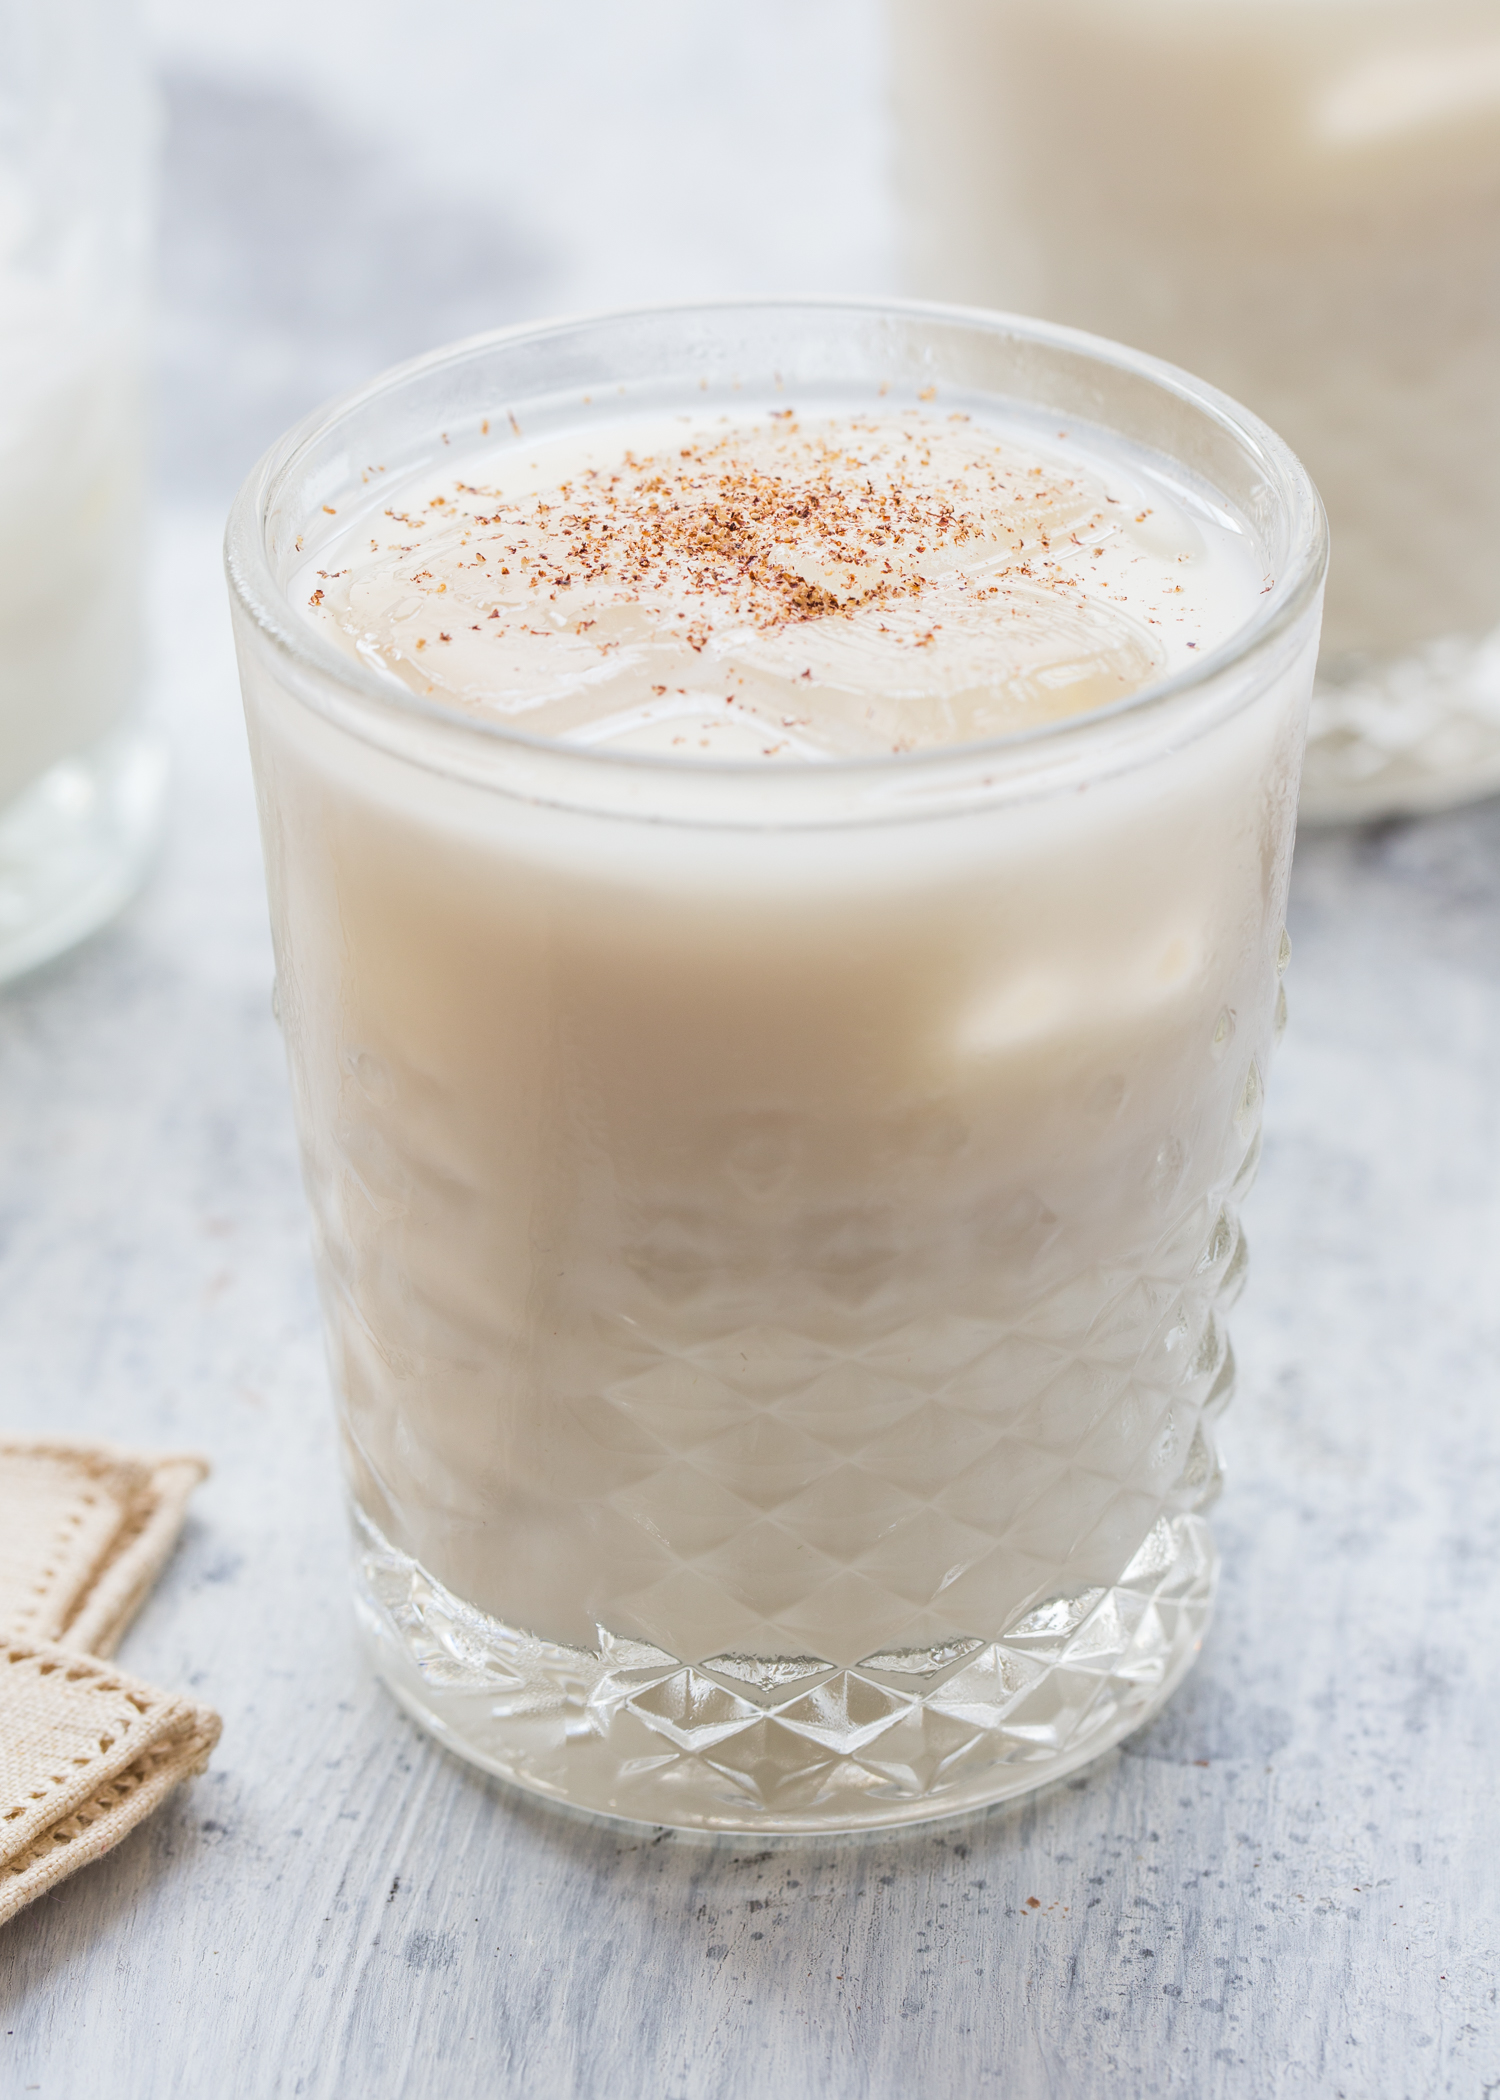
x=1286 y=1887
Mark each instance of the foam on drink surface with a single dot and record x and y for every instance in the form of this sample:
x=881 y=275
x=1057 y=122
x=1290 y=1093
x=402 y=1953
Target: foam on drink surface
x=786 y=585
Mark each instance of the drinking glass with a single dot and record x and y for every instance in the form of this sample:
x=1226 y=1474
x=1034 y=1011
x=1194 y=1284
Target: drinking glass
x=81 y=780
x=775 y=1226
x=1302 y=203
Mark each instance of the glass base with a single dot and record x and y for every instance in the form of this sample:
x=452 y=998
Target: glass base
x=75 y=846
x=1405 y=738
x=790 y=1743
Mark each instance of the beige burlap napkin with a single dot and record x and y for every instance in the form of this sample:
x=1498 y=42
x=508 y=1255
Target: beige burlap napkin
x=85 y=1751
x=84 y=1532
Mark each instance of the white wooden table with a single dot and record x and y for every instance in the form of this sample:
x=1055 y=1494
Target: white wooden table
x=1287 y=1886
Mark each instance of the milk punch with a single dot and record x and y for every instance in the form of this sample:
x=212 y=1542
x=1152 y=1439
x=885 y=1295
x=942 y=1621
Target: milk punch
x=1300 y=200
x=81 y=782
x=777 y=823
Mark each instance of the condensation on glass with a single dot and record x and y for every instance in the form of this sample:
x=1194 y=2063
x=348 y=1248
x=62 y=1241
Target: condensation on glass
x=775 y=1227
x=1300 y=200
x=80 y=780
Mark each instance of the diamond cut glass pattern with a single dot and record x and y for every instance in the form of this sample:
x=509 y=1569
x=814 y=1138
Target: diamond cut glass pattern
x=743 y=1743
x=913 y=1489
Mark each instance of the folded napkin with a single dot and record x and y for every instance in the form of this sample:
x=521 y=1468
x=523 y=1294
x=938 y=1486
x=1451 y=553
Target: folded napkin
x=85 y=1753
x=85 y=1750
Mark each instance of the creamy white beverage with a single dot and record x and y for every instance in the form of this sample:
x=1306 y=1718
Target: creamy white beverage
x=71 y=473
x=80 y=779
x=817 y=1104
x=771 y=1236
x=1299 y=199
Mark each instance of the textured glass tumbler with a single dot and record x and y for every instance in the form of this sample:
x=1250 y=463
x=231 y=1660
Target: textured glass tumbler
x=80 y=781
x=774 y=1227
x=1302 y=203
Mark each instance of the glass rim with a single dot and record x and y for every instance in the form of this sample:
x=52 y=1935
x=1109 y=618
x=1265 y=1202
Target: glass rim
x=447 y=729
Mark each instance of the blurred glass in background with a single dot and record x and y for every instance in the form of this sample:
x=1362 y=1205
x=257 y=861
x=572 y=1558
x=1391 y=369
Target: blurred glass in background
x=81 y=781
x=1298 y=200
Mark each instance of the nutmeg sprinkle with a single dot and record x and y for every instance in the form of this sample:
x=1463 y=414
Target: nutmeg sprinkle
x=784 y=585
